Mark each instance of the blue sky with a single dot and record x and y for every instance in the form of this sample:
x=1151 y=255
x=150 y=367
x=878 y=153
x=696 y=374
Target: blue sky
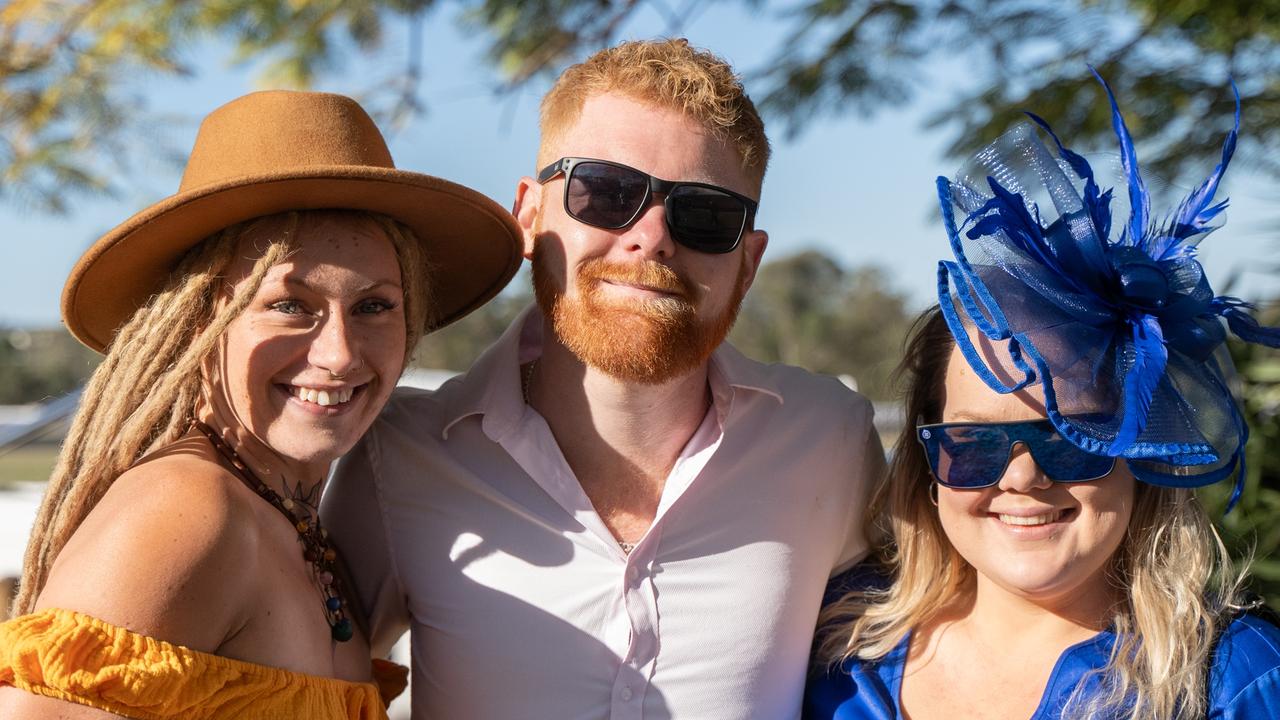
x=859 y=189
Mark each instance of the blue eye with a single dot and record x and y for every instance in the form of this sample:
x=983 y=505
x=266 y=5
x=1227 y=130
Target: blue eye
x=374 y=307
x=287 y=307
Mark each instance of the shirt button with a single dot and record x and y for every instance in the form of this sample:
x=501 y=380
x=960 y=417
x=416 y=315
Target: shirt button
x=626 y=694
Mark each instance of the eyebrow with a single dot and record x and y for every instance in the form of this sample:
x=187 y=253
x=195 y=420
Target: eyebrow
x=969 y=417
x=359 y=291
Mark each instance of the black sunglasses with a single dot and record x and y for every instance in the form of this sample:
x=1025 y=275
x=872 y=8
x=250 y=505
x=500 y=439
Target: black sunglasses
x=975 y=455
x=702 y=217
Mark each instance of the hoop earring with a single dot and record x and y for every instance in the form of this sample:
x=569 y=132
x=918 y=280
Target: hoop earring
x=933 y=493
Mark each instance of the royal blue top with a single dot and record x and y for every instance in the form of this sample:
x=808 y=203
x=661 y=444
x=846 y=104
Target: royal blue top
x=1244 y=682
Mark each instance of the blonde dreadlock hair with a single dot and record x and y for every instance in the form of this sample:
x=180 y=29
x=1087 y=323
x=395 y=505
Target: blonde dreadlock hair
x=144 y=393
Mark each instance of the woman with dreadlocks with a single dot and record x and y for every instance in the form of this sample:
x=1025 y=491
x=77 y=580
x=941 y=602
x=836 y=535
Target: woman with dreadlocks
x=253 y=325
x=1044 y=555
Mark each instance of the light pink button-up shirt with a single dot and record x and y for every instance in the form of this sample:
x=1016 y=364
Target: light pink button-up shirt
x=462 y=522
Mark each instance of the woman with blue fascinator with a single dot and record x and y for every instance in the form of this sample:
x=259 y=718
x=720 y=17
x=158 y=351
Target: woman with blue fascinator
x=1043 y=554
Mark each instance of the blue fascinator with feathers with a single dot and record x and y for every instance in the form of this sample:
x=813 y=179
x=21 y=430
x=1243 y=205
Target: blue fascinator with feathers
x=1113 y=317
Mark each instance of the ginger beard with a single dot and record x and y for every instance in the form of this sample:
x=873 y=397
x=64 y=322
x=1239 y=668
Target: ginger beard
x=649 y=341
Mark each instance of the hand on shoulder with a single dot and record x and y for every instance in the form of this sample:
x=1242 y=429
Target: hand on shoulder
x=170 y=552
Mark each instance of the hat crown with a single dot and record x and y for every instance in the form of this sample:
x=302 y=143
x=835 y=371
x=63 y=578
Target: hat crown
x=279 y=131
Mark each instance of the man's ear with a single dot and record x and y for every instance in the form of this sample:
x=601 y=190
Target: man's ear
x=754 y=243
x=527 y=205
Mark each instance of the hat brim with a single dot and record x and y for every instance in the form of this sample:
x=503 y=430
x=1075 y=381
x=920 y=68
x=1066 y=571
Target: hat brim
x=472 y=245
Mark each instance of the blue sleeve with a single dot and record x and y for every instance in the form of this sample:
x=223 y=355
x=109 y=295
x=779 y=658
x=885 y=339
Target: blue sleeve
x=855 y=690
x=866 y=575
x=1245 y=682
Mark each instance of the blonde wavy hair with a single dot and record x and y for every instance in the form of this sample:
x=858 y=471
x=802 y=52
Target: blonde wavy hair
x=1179 y=585
x=667 y=73
x=144 y=393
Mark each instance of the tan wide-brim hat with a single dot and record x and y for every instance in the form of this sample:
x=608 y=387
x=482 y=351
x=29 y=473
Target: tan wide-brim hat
x=275 y=151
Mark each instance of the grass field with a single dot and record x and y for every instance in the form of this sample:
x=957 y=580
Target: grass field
x=32 y=463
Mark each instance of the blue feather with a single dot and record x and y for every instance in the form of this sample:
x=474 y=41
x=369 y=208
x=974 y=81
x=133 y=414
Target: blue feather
x=1194 y=214
x=1096 y=203
x=1075 y=160
x=1139 y=199
x=1006 y=211
x=1149 y=362
x=1245 y=326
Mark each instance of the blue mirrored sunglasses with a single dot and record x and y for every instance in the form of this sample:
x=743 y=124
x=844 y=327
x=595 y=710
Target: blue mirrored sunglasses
x=975 y=455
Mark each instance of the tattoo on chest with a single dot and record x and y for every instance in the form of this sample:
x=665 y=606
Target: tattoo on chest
x=304 y=501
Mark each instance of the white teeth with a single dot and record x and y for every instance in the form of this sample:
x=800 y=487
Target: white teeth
x=323 y=398
x=1032 y=520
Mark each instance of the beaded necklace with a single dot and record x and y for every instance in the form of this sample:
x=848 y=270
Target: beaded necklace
x=314 y=539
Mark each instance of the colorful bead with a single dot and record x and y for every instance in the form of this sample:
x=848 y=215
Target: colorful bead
x=310 y=535
x=342 y=630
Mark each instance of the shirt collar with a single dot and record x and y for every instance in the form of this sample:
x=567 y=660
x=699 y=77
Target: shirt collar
x=492 y=386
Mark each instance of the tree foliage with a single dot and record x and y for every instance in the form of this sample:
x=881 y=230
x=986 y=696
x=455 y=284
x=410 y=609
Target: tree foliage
x=1251 y=530
x=1169 y=60
x=69 y=108
x=807 y=310
x=38 y=365
x=804 y=310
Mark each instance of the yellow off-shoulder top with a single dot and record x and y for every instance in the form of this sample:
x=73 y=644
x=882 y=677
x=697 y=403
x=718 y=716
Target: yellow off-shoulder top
x=78 y=658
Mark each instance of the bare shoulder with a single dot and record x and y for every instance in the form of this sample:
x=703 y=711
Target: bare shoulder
x=170 y=552
x=16 y=703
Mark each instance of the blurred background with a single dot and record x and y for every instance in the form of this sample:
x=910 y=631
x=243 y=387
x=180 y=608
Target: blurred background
x=866 y=102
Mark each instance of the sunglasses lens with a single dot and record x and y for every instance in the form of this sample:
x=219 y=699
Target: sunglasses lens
x=1064 y=462
x=966 y=456
x=603 y=195
x=975 y=455
x=705 y=219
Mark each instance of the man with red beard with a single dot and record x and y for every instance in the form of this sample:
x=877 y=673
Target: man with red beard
x=614 y=514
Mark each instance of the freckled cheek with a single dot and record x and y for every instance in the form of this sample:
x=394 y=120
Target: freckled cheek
x=383 y=350
x=262 y=365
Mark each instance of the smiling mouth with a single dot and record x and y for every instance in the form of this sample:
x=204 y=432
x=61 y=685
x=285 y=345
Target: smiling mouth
x=642 y=288
x=324 y=398
x=1033 y=520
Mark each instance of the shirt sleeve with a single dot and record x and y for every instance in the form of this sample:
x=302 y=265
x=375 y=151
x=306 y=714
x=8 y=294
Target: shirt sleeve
x=1260 y=699
x=1245 y=682
x=866 y=470
x=352 y=511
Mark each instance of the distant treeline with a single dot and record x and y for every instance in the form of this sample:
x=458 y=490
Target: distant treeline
x=804 y=310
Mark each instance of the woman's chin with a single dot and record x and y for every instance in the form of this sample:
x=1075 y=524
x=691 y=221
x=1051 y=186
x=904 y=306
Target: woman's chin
x=311 y=447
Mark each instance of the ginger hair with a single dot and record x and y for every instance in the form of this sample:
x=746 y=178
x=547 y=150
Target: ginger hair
x=1178 y=585
x=144 y=393
x=670 y=74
